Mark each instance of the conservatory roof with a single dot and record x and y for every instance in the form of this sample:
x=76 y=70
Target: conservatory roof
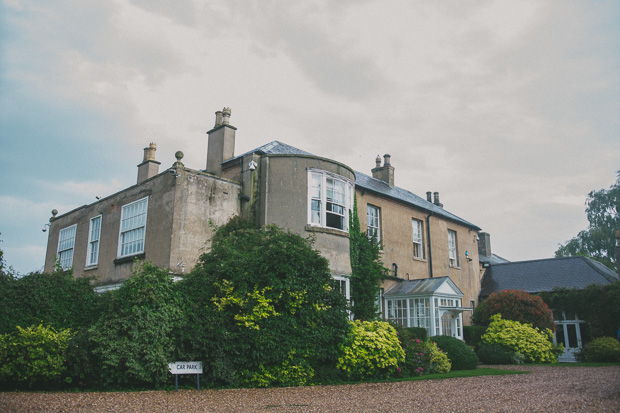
x=426 y=286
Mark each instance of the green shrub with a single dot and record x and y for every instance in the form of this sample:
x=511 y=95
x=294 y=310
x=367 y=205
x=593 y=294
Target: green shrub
x=438 y=361
x=473 y=334
x=460 y=355
x=133 y=339
x=534 y=345
x=601 y=350
x=370 y=350
x=496 y=354
x=33 y=355
x=515 y=305
x=294 y=371
x=258 y=306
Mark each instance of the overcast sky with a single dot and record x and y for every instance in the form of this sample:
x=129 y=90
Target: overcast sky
x=509 y=109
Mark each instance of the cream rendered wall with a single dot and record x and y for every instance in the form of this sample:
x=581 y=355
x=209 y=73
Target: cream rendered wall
x=397 y=240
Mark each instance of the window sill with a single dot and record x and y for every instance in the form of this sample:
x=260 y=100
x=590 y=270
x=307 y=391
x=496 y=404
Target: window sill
x=91 y=267
x=333 y=231
x=129 y=258
x=456 y=267
x=419 y=259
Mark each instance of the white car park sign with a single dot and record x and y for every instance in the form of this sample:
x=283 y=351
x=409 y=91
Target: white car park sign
x=185 y=367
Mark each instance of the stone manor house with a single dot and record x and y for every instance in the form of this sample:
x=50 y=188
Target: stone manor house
x=167 y=218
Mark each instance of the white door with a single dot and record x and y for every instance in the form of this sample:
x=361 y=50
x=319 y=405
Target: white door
x=568 y=333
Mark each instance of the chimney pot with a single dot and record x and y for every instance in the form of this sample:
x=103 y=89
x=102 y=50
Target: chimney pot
x=226 y=116
x=386 y=160
x=429 y=196
x=378 y=161
x=218 y=118
x=436 y=201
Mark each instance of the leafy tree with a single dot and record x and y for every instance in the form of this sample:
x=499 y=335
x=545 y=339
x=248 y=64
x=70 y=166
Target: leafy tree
x=598 y=241
x=133 y=338
x=263 y=308
x=515 y=305
x=367 y=270
x=58 y=299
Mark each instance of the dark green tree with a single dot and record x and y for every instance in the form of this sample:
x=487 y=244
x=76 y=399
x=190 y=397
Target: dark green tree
x=367 y=270
x=58 y=300
x=598 y=241
x=133 y=338
x=263 y=308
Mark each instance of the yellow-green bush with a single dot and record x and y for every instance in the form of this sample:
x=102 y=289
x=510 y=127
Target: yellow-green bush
x=33 y=354
x=535 y=345
x=370 y=350
x=438 y=360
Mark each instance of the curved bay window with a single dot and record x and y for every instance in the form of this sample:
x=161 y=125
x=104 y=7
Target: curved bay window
x=329 y=200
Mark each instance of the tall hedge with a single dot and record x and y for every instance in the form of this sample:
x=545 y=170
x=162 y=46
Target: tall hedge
x=57 y=299
x=133 y=339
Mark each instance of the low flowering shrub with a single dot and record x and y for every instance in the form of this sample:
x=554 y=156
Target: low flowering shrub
x=601 y=350
x=535 y=345
x=416 y=358
x=370 y=350
x=460 y=355
x=438 y=361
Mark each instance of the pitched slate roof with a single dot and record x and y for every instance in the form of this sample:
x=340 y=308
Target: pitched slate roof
x=367 y=183
x=420 y=287
x=380 y=187
x=545 y=275
x=493 y=259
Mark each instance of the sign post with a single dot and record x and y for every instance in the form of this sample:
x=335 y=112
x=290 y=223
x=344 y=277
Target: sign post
x=185 y=367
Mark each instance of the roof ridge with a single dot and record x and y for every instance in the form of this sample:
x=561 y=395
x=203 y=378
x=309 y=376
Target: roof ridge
x=591 y=262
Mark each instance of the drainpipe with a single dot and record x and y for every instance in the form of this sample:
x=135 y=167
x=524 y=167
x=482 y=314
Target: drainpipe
x=428 y=232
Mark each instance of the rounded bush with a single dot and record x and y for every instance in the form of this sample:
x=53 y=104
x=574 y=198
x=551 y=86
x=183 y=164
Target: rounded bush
x=496 y=354
x=371 y=350
x=602 y=350
x=473 y=334
x=515 y=305
x=535 y=345
x=460 y=355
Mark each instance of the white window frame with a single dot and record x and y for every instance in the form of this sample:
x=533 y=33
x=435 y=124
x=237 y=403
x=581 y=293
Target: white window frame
x=318 y=201
x=132 y=232
x=373 y=222
x=418 y=238
x=452 y=249
x=94 y=238
x=66 y=246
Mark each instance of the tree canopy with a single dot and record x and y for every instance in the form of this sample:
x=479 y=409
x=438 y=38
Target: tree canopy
x=598 y=240
x=263 y=307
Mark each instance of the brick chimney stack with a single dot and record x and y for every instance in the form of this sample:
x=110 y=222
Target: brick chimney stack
x=149 y=166
x=221 y=145
x=384 y=173
x=484 y=244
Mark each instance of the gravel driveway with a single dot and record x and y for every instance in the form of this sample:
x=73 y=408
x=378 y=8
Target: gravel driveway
x=546 y=389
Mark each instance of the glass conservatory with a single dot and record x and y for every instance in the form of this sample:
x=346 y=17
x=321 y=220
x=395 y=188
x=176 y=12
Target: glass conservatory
x=432 y=303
